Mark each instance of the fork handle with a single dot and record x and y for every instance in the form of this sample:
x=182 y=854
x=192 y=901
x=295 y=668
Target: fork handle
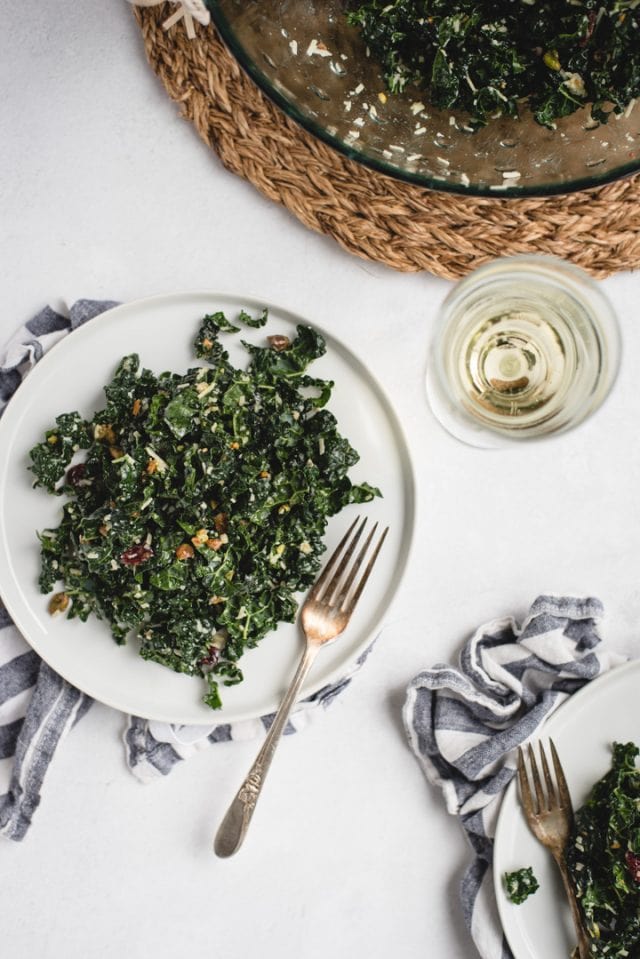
x=584 y=951
x=233 y=827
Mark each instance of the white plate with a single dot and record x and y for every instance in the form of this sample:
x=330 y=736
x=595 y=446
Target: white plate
x=583 y=730
x=71 y=376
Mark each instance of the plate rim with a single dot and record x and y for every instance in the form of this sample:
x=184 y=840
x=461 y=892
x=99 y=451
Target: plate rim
x=16 y=409
x=547 y=727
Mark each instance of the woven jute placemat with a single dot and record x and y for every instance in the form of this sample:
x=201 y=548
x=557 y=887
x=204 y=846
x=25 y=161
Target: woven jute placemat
x=374 y=216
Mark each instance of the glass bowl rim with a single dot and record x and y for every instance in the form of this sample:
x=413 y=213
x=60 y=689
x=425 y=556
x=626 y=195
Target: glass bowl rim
x=511 y=192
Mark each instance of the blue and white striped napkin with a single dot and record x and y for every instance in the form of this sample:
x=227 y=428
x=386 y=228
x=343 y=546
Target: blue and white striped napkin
x=465 y=723
x=38 y=707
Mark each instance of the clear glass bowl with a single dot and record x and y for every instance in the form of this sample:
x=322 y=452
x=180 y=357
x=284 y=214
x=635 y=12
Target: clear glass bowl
x=304 y=55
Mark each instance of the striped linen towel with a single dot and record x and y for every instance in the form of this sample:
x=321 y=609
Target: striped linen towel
x=38 y=707
x=465 y=723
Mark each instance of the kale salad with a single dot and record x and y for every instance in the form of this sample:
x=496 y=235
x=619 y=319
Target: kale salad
x=603 y=856
x=487 y=58
x=196 y=503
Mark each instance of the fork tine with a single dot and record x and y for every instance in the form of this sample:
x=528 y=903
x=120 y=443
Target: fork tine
x=536 y=779
x=324 y=575
x=355 y=566
x=365 y=576
x=525 y=789
x=563 y=789
x=325 y=595
x=551 y=791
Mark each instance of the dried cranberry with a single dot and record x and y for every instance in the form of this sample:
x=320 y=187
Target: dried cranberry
x=211 y=659
x=591 y=25
x=76 y=474
x=633 y=865
x=136 y=555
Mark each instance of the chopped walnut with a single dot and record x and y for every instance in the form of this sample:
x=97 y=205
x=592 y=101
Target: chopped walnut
x=220 y=522
x=58 y=603
x=185 y=551
x=104 y=431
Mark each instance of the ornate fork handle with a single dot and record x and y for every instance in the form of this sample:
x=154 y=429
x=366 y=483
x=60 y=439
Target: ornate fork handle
x=234 y=826
x=583 y=950
x=324 y=616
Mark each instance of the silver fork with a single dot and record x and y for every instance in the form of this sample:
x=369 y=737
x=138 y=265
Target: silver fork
x=550 y=819
x=324 y=616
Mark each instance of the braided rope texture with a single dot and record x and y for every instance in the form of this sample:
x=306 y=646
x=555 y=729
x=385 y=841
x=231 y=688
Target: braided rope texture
x=374 y=216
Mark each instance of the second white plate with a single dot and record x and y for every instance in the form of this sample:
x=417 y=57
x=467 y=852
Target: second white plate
x=583 y=730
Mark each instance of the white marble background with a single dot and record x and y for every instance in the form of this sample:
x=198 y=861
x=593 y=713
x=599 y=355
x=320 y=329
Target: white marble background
x=105 y=192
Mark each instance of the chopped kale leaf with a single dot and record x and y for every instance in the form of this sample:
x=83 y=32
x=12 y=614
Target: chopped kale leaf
x=603 y=856
x=487 y=57
x=521 y=884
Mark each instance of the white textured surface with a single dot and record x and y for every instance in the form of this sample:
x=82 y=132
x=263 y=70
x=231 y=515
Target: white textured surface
x=105 y=192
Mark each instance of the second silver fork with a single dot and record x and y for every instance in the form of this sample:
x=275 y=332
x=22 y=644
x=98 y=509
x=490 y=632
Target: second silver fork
x=549 y=814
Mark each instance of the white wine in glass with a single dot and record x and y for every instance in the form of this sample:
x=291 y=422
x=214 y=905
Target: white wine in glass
x=525 y=347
